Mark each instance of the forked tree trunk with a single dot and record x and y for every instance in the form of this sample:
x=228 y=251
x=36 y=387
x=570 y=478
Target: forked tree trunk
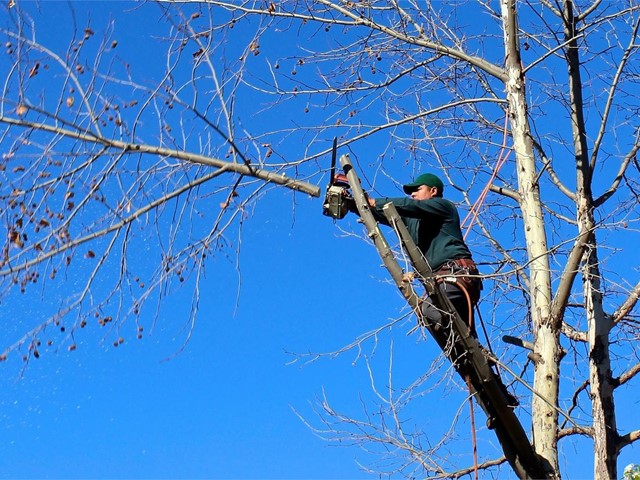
x=598 y=323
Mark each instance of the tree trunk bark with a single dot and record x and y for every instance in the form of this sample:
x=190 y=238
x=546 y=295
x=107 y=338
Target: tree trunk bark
x=605 y=436
x=546 y=333
x=605 y=432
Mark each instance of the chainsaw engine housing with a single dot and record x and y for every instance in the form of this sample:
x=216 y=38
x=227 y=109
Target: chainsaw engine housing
x=335 y=202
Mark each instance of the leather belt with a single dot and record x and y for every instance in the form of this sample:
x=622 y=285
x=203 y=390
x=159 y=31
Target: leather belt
x=465 y=263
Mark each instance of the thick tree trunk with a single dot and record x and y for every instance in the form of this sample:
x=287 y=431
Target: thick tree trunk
x=598 y=323
x=546 y=344
x=605 y=436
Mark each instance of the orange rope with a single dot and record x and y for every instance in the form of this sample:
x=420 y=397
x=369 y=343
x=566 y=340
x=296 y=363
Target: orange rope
x=502 y=158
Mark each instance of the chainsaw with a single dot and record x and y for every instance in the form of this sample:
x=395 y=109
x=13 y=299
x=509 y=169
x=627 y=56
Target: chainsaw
x=338 y=196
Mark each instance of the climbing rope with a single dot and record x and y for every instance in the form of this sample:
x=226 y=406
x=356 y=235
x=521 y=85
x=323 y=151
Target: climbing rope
x=502 y=158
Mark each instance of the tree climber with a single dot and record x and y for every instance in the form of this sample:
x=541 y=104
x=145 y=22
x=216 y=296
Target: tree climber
x=434 y=225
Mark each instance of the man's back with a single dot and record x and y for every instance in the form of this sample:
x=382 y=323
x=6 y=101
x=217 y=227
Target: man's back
x=434 y=225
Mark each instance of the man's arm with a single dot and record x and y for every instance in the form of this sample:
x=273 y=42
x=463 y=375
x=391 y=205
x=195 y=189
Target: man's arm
x=377 y=212
x=408 y=207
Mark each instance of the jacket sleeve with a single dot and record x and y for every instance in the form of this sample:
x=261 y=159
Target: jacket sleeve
x=378 y=214
x=408 y=207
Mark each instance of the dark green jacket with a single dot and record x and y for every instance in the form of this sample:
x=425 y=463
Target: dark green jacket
x=434 y=225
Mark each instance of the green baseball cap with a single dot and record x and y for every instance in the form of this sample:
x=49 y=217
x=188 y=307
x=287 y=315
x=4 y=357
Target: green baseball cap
x=428 y=179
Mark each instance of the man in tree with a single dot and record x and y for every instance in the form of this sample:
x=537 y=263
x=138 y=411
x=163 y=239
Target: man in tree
x=434 y=225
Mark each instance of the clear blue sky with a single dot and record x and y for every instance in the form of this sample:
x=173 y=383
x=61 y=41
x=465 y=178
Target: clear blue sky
x=224 y=406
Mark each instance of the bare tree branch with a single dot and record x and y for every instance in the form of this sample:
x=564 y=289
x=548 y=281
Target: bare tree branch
x=569 y=273
x=628 y=375
x=586 y=431
x=615 y=83
x=469 y=470
x=628 y=305
x=506 y=192
x=574 y=334
x=628 y=439
x=621 y=172
x=128 y=147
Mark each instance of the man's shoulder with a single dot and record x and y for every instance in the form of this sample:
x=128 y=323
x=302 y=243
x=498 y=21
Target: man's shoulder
x=441 y=202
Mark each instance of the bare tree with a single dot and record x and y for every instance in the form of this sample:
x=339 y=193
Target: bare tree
x=529 y=110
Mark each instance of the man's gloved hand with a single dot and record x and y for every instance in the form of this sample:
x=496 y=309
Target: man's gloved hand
x=371 y=201
x=351 y=204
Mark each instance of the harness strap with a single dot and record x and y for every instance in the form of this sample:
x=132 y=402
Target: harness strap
x=461 y=272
